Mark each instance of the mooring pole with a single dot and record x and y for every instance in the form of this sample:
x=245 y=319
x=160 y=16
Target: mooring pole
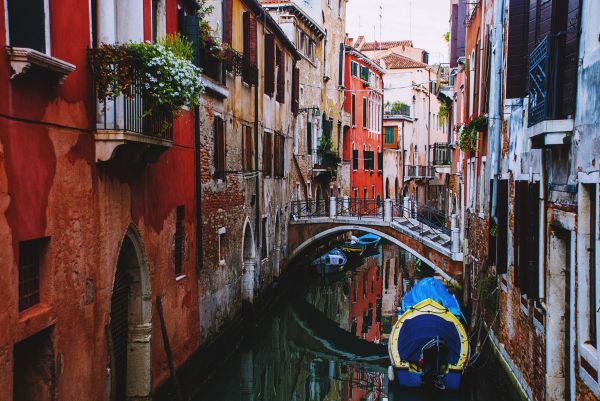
x=167 y=346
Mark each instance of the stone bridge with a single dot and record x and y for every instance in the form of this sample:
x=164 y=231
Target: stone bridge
x=426 y=234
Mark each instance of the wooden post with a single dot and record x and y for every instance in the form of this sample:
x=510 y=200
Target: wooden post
x=167 y=346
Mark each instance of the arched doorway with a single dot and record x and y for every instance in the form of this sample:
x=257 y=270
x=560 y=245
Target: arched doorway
x=277 y=247
x=130 y=324
x=249 y=263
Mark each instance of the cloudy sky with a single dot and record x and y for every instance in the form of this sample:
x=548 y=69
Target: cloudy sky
x=430 y=20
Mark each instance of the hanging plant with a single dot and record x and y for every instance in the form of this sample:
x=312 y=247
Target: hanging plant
x=443 y=113
x=162 y=72
x=487 y=292
x=467 y=139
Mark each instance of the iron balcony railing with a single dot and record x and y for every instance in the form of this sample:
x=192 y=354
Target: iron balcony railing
x=212 y=66
x=543 y=67
x=397 y=110
x=441 y=154
x=412 y=171
x=130 y=114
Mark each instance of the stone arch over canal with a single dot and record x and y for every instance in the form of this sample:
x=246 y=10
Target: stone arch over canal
x=130 y=324
x=302 y=237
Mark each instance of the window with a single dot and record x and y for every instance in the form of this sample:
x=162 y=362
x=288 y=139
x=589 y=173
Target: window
x=340 y=8
x=353 y=109
x=269 y=64
x=279 y=156
x=267 y=156
x=516 y=49
x=222 y=245
x=219 y=150
x=248 y=148
x=369 y=162
x=309 y=138
x=364 y=112
x=354 y=68
x=379 y=160
x=296 y=90
x=389 y=136
x=354 y=157
x=280 y=63
x=30 y=253
x=364 y=73
x=587 y=260
x=264 y=249
x=526 y=231
x=179 y=236
x=249 y=74
x=341 y=64
x=27 y=24
x=502 y=226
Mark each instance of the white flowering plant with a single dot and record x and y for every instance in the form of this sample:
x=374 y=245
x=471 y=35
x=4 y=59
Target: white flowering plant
x=163 y=73
x=168 y=82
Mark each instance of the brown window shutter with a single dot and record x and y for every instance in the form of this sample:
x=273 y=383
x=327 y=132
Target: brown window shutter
x=228 y=21
x=269 y=64
x=252 y=57
x=276 y=155
x=516 y=58
x=281 y=156
x=248 y=149
x=280 y=59
x=296 y=90
x=246 y=35
x=267 y=154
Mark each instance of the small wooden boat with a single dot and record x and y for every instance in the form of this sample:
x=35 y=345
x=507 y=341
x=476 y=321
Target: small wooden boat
x=359 y=246
x=330 y=262
x=428 y=344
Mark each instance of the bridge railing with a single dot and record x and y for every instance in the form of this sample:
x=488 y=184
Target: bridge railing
x=425 y=216
x=310 y=208
x=353 y=207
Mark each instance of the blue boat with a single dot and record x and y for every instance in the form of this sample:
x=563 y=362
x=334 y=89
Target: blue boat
x=360 y=245
x=330 y=262
x=428 y=344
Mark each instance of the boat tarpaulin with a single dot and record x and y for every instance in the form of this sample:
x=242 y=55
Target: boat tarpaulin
x=420 y=330
x=431 y=288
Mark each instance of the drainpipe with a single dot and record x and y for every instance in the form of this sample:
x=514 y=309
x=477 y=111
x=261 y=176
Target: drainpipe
x=542 y=232
x=198 y=190
x=256 y=128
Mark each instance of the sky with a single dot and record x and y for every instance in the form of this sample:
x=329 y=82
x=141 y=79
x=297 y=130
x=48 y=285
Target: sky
x=430 y=20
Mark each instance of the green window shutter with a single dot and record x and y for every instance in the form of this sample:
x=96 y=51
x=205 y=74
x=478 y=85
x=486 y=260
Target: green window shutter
x=389 y=135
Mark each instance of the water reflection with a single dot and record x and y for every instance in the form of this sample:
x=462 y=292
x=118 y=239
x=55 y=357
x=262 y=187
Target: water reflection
x=329 y=342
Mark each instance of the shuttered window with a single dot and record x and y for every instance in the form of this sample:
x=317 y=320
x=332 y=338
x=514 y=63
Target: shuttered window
x=309 y=148
x=354 y=69
x=353 y=106
x=380 y=161
x=389 y=135
x=27 y=24
x=269 y=64
x=280 y=60
x=341 y=65
x=364 y=112
x=249 y=34
x=247 y=148
x=526 y=237
x=279 y=155
x=354 y=159
x=571 y=58
x=267 y=154
x=228 y=20
x=502 y=227
x=178 y=243
x=364 y=73
x=219 y=148
x=369 y=162
x=296 y=90
x=516 y=57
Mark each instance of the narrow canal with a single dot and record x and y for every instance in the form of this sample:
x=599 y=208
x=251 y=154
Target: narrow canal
x=328 y=341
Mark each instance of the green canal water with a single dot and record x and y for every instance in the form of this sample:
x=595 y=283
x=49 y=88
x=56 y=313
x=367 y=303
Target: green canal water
x=328 y=341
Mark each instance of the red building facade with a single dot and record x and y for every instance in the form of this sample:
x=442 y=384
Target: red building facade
x=363 y=142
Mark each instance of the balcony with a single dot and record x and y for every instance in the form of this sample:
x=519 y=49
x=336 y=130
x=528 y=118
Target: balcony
x=396 y=110
x=124 y=130
x=418 y=172
x=441 y=154
x=547 y=124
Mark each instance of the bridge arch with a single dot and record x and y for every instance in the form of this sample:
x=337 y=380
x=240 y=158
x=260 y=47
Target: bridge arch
x=345 y=228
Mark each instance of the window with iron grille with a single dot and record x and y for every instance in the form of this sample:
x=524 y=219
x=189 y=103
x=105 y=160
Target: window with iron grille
x=29 y=272
x=27 y=24
x=178 y=243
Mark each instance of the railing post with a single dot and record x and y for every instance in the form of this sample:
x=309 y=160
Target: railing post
x=387 y=210
x=332 y=207
x=406 y=207
x=455 y=233
x=346 y=205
